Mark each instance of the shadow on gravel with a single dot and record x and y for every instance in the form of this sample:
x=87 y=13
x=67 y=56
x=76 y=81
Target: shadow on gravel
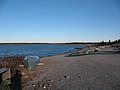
x=16 y=81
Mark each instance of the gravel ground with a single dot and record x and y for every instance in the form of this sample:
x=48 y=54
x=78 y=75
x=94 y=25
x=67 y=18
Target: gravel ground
x=100 y=71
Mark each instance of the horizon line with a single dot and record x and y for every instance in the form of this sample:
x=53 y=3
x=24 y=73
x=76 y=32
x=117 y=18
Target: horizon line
x=56 y=42
x=51 y=42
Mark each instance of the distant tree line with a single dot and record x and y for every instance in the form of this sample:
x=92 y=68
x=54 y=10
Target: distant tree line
x=97 y=43
x=109 y=42
x=116 y=41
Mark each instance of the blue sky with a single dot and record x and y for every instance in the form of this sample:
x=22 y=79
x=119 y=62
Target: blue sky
x=59 y=20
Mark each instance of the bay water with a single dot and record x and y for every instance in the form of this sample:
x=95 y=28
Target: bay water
x=37 y=49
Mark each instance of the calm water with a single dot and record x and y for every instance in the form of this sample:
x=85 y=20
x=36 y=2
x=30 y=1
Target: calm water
x=36 y=49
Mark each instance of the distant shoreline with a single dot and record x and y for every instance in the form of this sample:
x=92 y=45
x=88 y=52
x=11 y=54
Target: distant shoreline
x=52 y=43
x=76 y=42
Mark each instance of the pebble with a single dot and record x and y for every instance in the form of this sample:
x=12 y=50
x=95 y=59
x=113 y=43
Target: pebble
x=23 y=73
x=26 y=76
x=21 y=65
x=52 y=81
x=40 y=64
x=33 y=85
x=66 y=76
x=44 y=87
x=78 y=76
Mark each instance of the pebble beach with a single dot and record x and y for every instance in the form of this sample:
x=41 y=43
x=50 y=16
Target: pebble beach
x=98 y=71
x=89 y=68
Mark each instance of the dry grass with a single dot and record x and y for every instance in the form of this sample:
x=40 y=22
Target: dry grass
x=16 y=63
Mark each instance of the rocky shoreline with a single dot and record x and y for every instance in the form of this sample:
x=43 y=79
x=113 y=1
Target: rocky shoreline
x=42 y=76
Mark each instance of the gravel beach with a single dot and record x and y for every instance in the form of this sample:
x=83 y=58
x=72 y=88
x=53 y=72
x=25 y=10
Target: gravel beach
x=99 y=71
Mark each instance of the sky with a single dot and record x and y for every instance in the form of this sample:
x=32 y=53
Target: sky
x=59 y=20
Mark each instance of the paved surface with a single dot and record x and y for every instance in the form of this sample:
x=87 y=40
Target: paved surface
x=100 y=71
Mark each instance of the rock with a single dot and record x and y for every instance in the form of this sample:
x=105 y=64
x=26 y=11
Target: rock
x=78 y=76
x=52 y=81
x=23 y=73
x=21 y=65
x=40 y=64
x=26 y=76
x=44 y=87
x=66 y=76
x=33 y=85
